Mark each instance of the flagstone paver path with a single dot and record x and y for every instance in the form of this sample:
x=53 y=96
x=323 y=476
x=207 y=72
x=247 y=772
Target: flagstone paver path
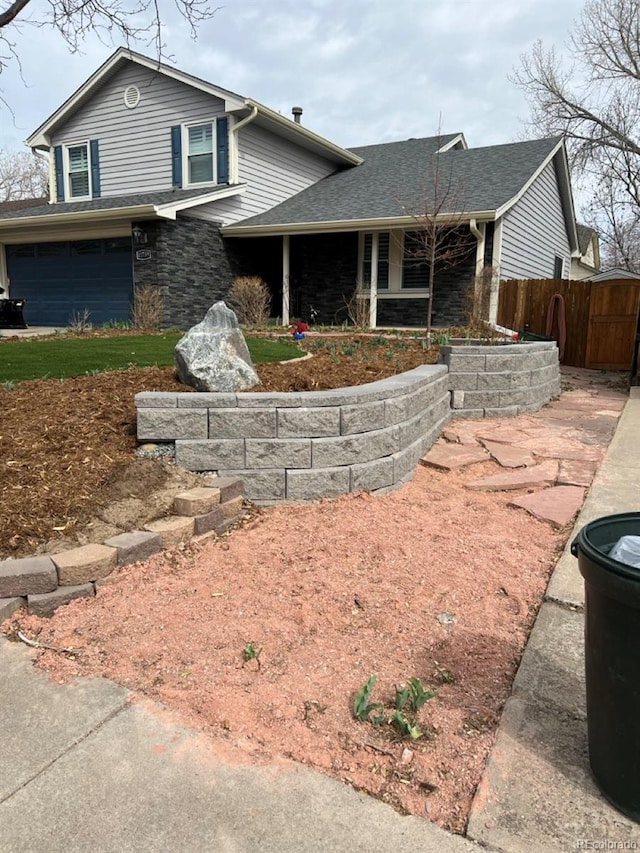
x=550 y=457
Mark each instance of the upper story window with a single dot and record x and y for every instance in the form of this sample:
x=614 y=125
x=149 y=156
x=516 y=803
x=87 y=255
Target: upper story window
x=200 y=153
x=78 y=171
x=200 y=148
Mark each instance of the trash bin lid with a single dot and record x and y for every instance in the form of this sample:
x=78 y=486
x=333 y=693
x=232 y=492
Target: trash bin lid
x=597 y=538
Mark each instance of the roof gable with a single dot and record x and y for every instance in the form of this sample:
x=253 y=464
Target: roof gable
x=234 y=104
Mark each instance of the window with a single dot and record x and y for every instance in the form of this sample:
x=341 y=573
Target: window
x=382 y=240
x=557 y=266
x=78 y=171
x=415 y=270
x=200 y=152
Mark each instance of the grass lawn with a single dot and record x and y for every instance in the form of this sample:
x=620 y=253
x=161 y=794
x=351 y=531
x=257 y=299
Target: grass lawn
x=61 y=357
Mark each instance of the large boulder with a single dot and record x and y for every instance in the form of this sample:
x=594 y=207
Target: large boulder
x=213 y=355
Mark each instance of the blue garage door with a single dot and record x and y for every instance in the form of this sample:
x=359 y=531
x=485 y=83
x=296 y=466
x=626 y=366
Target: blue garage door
x=57 y=280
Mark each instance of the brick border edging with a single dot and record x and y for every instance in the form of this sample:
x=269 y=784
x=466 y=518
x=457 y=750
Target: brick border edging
x=44 y=583
x=308 y=445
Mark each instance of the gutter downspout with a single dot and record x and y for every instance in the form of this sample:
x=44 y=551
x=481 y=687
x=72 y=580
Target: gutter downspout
x=235 y=127
x=479 y=234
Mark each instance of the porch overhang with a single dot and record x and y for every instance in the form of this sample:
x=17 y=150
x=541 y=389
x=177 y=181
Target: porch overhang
x=340 y=226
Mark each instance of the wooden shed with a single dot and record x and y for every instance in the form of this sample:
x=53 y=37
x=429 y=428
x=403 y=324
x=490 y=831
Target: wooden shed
x=596 y=320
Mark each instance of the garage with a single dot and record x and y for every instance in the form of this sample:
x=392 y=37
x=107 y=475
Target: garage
x=58 y=280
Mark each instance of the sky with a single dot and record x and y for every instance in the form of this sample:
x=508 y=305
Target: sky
x=364 y=71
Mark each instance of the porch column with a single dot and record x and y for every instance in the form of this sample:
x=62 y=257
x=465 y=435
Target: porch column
x=373 y=288
x=495 y=280
x=285 y=280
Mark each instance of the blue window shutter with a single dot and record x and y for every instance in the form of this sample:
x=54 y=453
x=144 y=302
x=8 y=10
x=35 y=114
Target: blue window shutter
x=222 y=137
x=57 y=153
x=176 y=155
x=95 y=169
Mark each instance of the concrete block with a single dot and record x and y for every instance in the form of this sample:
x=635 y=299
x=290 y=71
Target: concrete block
x=173 y=530
x=269 y=400
x=317 y=483
x=306 y=422
x=240 y=423
x=279 y=453
x=405 y=461
x=457 y=399
x=87 y=563
x=171 y=424
x=349 y=450
x=464 y=381
x=464 y=363
x=518 y=397
x=229 y=487
x=550 y=373
x=363 y=417
x=44 y=604
x=402 y=408
x=492 y=381
x=481 y=399
x=210 y=455
x=208 y=521
x=502 y=412
x=8 y=606
x=156 y=400
x=207 y=400
x=520 y=378
x=135 y=546
x=232 y=508
x=28 y=575
x=196 y=501
x=368 y=476
x=264 y=485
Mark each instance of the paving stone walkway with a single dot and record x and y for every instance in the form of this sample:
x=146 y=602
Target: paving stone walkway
x=548 y=458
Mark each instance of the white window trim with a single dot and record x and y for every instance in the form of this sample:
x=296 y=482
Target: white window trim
x=396 y=255
x=185 y=153
x=67 y=170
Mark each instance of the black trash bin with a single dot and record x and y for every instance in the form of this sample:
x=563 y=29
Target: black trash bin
x=612 y=659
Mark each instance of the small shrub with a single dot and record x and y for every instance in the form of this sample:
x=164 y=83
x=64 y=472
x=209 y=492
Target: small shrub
x=80 y=321
x=148 y=308
x=358 y=309
x=250 y=298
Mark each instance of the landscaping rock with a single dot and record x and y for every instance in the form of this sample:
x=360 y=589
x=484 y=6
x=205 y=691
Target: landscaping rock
x=48 y=602
x=196 y=501
x=538 y=475
x=577 y=472
x=213 y=355
x=557 y=505
x=448 y=457
x=8 y=606
x=135 y=546
x=508 y=456
x=27 y=575
x=87 y=563
x=173 y=530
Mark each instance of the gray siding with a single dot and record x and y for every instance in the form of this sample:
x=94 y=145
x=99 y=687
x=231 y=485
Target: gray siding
x=273 y=169
x=135 y=145
x=534 y=231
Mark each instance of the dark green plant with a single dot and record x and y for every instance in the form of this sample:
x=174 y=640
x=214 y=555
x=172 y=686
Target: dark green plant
x=412 y=694
x=404 y=726
x=362 y=707
x=250 y=652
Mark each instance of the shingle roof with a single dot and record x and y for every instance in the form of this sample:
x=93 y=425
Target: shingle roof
x=22 y=203
x=108 y=203
x=397 y=179
x=584 y=237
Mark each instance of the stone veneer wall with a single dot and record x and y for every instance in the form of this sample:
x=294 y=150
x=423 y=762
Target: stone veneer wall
x=304 y=445
x=501 y=380
x=315 y=444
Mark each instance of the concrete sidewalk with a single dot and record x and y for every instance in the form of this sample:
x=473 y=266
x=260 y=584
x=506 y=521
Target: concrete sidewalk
x=83 y=769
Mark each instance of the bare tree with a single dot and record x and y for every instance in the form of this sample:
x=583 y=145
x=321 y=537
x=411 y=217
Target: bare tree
x=594 y=100
x=111 y=20
x=442 y=237
x=22 y=175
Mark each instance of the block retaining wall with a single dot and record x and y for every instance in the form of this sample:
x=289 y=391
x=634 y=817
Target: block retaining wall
x=314 y=444
x=501 y=380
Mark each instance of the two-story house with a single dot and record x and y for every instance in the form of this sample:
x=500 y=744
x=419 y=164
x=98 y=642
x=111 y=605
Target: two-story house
x=160 y=178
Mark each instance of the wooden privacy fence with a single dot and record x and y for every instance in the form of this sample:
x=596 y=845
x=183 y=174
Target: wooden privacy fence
x=601 y=318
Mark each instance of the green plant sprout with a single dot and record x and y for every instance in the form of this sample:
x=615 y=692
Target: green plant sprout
x=362 y=707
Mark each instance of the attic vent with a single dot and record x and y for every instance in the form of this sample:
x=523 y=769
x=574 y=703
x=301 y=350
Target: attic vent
x=131 y=97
